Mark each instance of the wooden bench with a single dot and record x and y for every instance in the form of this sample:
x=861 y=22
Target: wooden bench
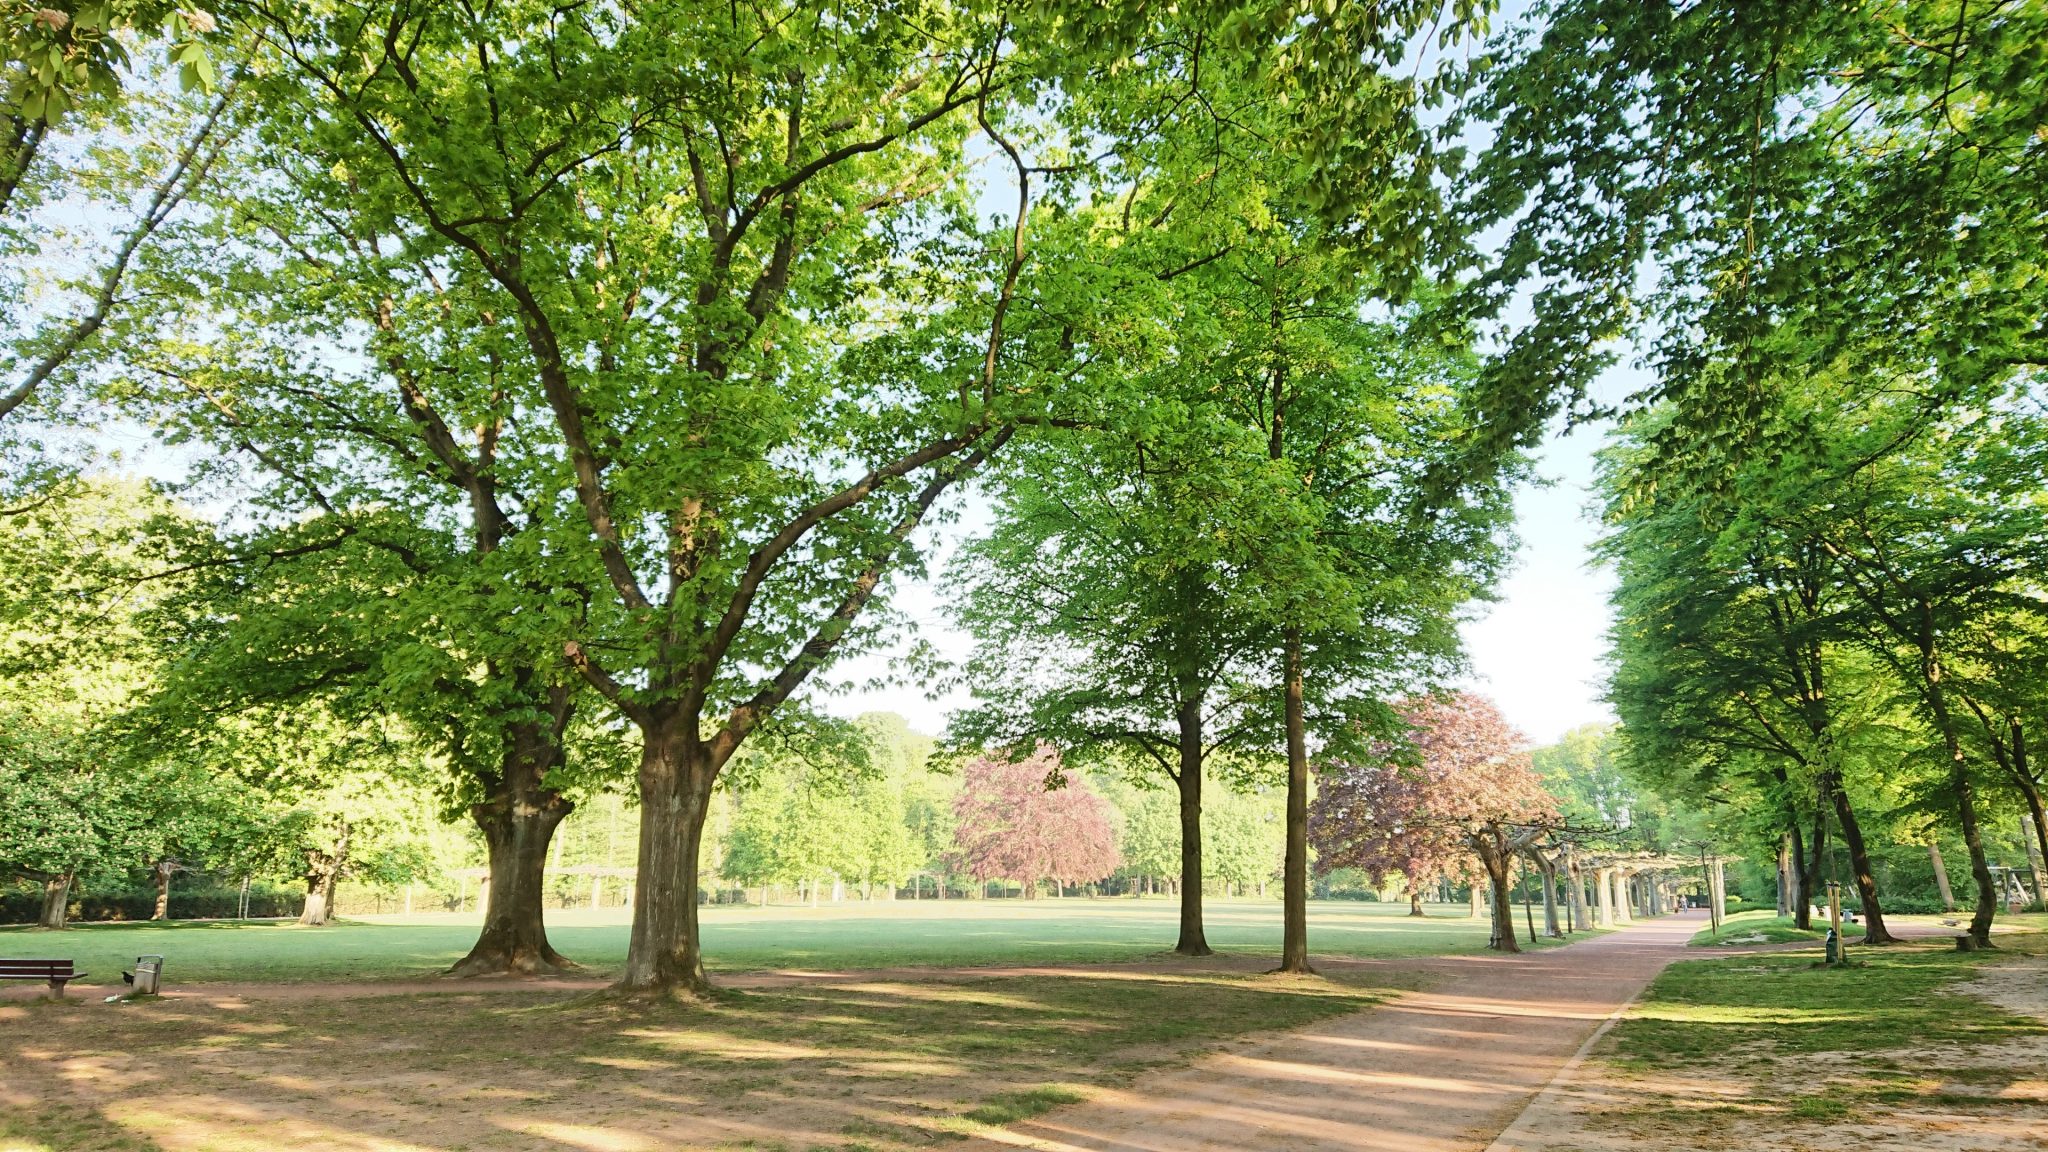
x=57 y=972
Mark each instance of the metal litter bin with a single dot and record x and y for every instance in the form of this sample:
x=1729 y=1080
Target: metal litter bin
x=148 y=973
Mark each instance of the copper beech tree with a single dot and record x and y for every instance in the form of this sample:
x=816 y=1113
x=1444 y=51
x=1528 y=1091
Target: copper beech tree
x=1025 y=820
x=1461 y=786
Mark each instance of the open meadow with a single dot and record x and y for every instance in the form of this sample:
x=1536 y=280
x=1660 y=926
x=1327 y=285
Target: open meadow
x=881 y=934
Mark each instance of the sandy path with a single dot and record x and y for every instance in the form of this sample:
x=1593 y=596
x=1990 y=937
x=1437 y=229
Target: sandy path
x=1435 y=1071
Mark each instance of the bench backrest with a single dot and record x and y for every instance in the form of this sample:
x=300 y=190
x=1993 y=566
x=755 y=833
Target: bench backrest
x=36 y=969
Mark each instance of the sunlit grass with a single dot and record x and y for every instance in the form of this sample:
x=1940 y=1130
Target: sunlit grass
x=952 y=933
x=1764 y=926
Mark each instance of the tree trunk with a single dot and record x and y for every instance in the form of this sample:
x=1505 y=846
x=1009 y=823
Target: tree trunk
x=1785 y=874
x=56 y=901
x=1948 y=896
x=1193 y=941
x=1859 y=859
x=1294 y=886
x=1415 y=902
x=665 y=955
x=2036 y=822
x=1809 y=871
x=1973 y=838
x=1550 y=925
x=162 y=873
x=1496 y=861
x=318 y=889
x=518 y=821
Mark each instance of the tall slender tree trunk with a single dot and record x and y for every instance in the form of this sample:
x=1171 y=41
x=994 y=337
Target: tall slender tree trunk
x=1948 y=896
x=518 y=821
x=2034 y=834
x=56 y=901
x=1809 y=870
x=1294 y=884
x=1193 y=941
x=1874 y=931
x=1973 y=838
x=666 y=953
x=1785 y=874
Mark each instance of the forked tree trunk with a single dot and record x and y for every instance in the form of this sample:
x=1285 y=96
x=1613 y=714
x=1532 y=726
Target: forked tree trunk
x=1193 y=941
x=666 y=953
x=517 y=821
x=322 y=870
x=1294 y=885
x=1495 y=857
x=56 y=901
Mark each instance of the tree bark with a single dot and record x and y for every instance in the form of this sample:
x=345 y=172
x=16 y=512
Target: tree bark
x=1188 y=780
x=1785 y=874
x=1294 y=884
x=1859 y=859
x=1809 y=870
x=1495 y=857
x=56 y=901
x=1948 y=896
x=1973 y=838
x=518 y=819
x=1415 y=902
x=2037 y=848
x=318 y=889
x=161 y=872
x=665 y=955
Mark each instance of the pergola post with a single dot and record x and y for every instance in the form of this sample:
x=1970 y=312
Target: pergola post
x=1624 y=909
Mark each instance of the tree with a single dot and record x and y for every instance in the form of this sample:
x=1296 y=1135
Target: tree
x=1026 y=820
x=743 y=283
x=1728 y=632
x=1799 y=176
x=1461 y=778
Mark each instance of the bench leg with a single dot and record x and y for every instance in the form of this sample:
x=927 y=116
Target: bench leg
x=57 y=988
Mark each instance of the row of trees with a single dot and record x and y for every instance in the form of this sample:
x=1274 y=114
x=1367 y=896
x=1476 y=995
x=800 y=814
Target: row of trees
x=574 y=380
x=1828 y=518
x=565 y=388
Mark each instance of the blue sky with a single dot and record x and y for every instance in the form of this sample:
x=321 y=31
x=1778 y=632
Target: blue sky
x=1536 y=650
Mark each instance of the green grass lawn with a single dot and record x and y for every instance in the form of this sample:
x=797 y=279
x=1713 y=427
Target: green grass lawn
x=1765 y=926
x=883 y=934
x=1777 y=1048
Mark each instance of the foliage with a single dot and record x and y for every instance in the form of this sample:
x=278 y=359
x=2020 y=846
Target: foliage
x=1026 y=820
x=1419 y=810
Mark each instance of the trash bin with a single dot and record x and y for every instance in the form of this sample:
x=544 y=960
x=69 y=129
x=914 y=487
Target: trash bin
x=148 y=973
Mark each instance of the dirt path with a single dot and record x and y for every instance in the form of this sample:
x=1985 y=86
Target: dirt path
x=1443 y=1070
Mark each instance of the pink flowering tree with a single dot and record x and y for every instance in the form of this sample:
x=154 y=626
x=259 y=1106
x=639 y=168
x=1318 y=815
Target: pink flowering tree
x=1459 y=789
x=1025 y=820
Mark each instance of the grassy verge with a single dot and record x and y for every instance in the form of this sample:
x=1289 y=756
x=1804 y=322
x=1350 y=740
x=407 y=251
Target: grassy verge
x=876 y=1067
x=1764 y=926
x=1769 y=1043
x=953 y=933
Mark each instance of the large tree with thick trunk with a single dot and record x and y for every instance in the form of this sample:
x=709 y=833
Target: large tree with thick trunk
x=759 y=325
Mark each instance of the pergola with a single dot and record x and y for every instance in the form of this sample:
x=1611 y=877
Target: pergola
x=1631 y=884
